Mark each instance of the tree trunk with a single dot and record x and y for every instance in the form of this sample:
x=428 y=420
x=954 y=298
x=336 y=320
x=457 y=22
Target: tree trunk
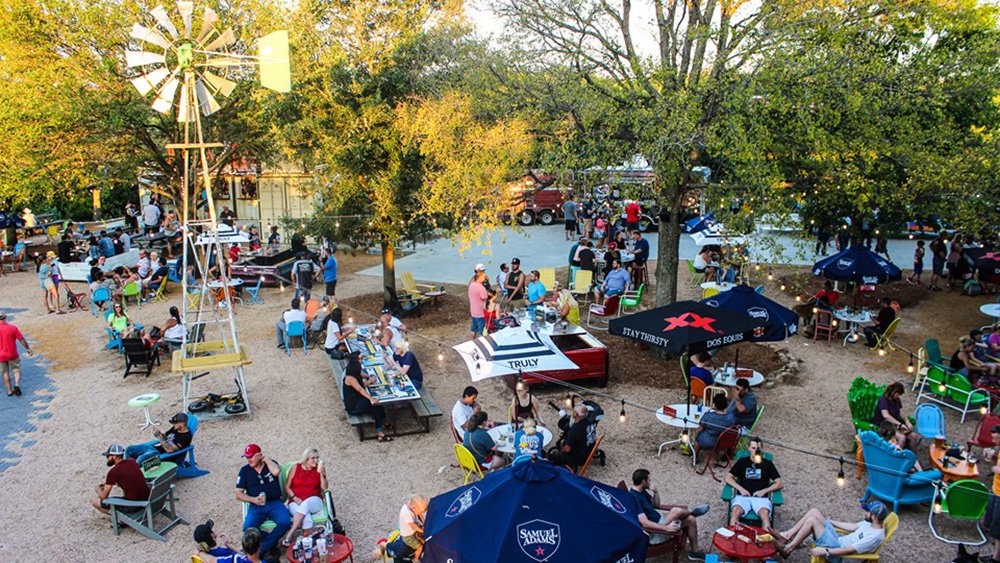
x=388 y=273
x=668 y=249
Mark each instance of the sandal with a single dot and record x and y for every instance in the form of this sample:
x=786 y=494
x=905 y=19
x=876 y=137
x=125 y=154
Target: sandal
x=385 y=438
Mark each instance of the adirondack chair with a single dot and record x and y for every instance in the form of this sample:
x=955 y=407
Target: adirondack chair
x=962 y=500
x=187 y=468
x=416 y=290
x=694 y=277
x=138 y=357
x=132 y=289
x=751 y=518
x=895 y=483
x=140 y=514
x=891 y=524
x=582 y=472
x=709 y=292
x=744 y=439
x=327 y=518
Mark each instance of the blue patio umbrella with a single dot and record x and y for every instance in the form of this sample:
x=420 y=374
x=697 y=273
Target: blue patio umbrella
x=533 y=512
x=859 y=265
x=10 y=220
x=699 y=223
x=779 y=322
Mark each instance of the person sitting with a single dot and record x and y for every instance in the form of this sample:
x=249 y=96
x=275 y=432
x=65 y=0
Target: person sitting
x=536 y=293
x=964 y=361
x=106 y=245
x=389 y=333
x=889 y=407
x=616 y=282
x=713 y=423
x=126 y=474
x=753 y=478
x=886 y=315
x=743 y=405
x=173 y=329
x=897 y=439
x=573 y=449
x=99 y=281
x=568 y=307
x=158 y=276
x=701 y=367
x=463 y=410
x=336 y=335
x=863 y=537
x=588 y=259
x=610 y=255
x=523 y=406
x=252 y=548
x=208 y=542
x=479 y=443
x=702 y=259
x=176 y=438
x=304 y=486
x=357 y=400
x=827 y=297
x=676 y=518
x=292 y=315
x=405 y=362
x=258 y=485
x=410 y=542
x=119 y=321
x=528 y=442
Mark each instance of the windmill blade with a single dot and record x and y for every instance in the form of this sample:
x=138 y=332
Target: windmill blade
x=224 y=62
x=222 y=86
x=147 y=82
x=208 y=19
x=165 y=97
x=205 y=99
x=274 y=70
x=147 y=35
x=184 y=107
x=226 y=38
x=142 y=58
x=161 y=17
x=186 y=10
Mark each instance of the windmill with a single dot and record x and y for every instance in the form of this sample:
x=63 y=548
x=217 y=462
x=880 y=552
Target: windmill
x=189 y=71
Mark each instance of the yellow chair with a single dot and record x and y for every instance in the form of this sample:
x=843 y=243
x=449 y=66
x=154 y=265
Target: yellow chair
x=891 y=523
x=884 y=341
x=467 y=463
x=582 y=283
x=392 y=537
x=416 y=290
x=160 y=291
x=709 y=293
x=548 y=278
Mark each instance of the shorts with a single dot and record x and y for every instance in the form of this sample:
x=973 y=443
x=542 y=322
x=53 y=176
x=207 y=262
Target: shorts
x=632 y=226
x=991 y=520
x=105 y=505
x=830 y=538
x=918 y=268
x=478 y=325
x=571 y=225
x=612 y=292
x=937 y=267
x=47 y=284
x=487 y=462
x=331 y=288
x=656 y=538
x=753 y=504
x=10 y=366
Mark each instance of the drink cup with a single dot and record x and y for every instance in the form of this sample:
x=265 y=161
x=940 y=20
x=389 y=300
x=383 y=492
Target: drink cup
x=262 y=497
x=307 y=548
x=939 y=441
x=321 y=546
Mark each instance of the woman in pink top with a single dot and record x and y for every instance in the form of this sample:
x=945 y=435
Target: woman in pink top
x=304 y=488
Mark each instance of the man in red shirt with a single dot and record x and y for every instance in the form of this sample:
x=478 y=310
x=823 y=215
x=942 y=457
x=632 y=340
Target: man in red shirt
x=632 y=211
x=126 y=474
x=10 y=361
x=827 y=297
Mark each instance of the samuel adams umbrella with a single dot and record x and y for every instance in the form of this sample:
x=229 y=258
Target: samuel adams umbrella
x=779 y=322
x=859 y=265
x=512 y=350
x=531 y=513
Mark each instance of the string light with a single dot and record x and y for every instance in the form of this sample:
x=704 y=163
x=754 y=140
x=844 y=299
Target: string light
x=282 y=286
x=942 y=387
x=937 y=506
x=440 y=353
x=770 y=275
x=685 y=436
x=909 y=367
x=982 y=410
x=782 y=287
x=881 y=351
x=350 y=320
x=757 y=458
x=840 y=474
x=815 y=310
x=621 y=415
x=834 y=323
x=569 y=400
x=798 y=298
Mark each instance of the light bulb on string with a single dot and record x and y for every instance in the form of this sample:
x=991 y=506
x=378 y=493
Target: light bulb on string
x=440 y=354
x=282 y=286
x=569 y=401
x=942 y=387
x=621 y=415
x=881 y=351
x=840 y=474
x=798 y=298
x=910 y=367
x=937 y=506
x=782 y=287
x=685 y=437
x=770 y=275
x=815 y=310
x=350 y=320
x=835 y=323
x=757 y=458
x=982 y=410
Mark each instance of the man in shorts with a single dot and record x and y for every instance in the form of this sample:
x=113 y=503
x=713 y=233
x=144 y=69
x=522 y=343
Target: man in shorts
x=753 y=478
x=991 y=520
x=10 y=361
x=676 y=517
x=569 y=212
x=862 y=537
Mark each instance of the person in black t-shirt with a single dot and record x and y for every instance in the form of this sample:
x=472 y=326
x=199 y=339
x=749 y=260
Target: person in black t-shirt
x=176 y=438
x=64 y=248
x=885 y=317
x=574 y=451
x=588 y=261
x=753 y=478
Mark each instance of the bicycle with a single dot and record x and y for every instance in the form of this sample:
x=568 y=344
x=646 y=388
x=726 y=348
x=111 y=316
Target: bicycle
x=234 y=402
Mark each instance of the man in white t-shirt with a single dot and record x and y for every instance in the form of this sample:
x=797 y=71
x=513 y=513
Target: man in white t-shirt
x=289 y=316
x=463 y=409
x=151 y=217
x=862 y=537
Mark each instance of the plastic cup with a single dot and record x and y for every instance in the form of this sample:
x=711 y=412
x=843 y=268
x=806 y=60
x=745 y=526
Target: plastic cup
x=939 y=441
x=307 y=548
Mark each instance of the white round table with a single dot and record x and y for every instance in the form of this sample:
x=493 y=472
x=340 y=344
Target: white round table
x=503 y=435
x=233 y=282
x=853 y=319
x=728 y=379
x=991 y=309
x=720 y=287
x=687 y=417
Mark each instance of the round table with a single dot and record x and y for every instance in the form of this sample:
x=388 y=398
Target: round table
x=505 y=445
x=340 y=549
x=991 y=309
x=687 y=417
x=854 y=319
x=144 y=402
x=152 y=473
x=233 y=282
x=744 y=550
x=728 y=379
x=720 y=287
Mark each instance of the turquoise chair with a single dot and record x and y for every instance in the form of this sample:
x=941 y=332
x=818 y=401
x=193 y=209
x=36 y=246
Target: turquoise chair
x=929 y=421
x=295 y=329
x=895 y=483
x=188 y=468
x=98 y=298
x=254 y=293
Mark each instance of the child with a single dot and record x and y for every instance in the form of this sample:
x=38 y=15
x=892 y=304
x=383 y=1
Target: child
x=918 y=264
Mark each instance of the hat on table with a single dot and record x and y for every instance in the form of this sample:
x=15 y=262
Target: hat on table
x=114 y=449
x=251 y=450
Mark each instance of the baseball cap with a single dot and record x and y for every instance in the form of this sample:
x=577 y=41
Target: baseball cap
x=251 y=450
x=385 y=310
x=480 y=267
x=3 y=315
x=515 y=260
x=203 y=532
x=876 y=509
x=179 y=417
x=114 y=449
x=50 y=254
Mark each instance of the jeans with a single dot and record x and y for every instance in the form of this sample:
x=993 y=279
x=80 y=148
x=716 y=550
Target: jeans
x=279 y=331
x=275 y=511
x=399 y=551
x=305 y=292
x=141 y=452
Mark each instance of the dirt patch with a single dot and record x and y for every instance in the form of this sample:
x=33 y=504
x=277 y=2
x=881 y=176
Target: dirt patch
x=800 y=282
x=449 y=309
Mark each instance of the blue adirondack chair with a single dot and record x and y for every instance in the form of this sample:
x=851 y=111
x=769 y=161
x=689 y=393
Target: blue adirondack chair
x=98 y=298
x=894 y=483
x=188 y=468
x=295 y=329
x=254 y=293
x=929 y=421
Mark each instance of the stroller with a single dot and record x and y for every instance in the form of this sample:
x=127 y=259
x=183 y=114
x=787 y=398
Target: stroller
x=595 y=414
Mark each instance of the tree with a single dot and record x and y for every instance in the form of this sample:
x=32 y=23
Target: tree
x=375 y=111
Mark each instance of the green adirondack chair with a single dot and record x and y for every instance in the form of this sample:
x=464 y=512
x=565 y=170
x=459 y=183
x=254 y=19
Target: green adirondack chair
x=751 y=518
x=962 y=500
x=324 y=519
x=631 y=299
x=750 y=432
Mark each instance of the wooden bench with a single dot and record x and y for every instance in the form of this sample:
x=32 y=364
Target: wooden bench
x=423 y=409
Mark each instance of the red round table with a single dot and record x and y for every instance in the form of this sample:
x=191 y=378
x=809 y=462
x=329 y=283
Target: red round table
x=342 y=549
x=739 y=549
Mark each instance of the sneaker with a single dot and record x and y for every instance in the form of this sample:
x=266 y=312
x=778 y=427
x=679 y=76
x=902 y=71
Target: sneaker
x=696 y=555
x=700 y=510
x=17 y=390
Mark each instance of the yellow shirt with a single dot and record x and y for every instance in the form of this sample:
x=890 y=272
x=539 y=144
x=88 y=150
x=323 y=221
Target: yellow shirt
x=996 y=476
x=574 y=308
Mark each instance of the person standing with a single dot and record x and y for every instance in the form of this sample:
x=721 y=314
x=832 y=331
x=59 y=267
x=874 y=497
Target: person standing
x=918 y=264
x=10 y=361
x=477 y=302
x=131 y=216
x=330 y=272
x=939 y=252
x=259 y=486
x=151 y=217
x=514 y=286
x=632 y=213
x=303 y=271
x=569 y=213
x=227 y=216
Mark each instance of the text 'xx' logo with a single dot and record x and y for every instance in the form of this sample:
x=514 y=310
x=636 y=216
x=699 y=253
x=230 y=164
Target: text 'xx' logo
x=538 y=539
x=692 y=320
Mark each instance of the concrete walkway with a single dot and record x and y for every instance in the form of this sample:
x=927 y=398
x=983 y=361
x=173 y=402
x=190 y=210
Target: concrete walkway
x=539 y=247
x=17 y=412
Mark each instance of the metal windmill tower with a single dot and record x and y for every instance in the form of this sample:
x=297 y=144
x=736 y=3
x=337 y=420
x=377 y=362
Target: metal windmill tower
x=200 y=66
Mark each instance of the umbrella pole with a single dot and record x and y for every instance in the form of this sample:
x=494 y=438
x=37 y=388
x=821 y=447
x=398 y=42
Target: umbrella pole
x=687 y=368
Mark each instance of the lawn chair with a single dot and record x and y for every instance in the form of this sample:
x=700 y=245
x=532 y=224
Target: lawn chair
x=884 y=341
x=962 y=500
x=582 y=283
x=454 y=433
x=293 y=330
x=674 y=544
x=132 y=289
x=75 y=300
x=724 y=446
x=187 y=468
x=750 y=431
x=895 y=484
x=140 y=514
x=606 y=311
x=709 y=392
x=694 y=279
x=114 y=340
x=824 y=325
x=327 y=518
x=697 y=390
x=890 y=524
x=930 y=421
x=751 y=518
x=981 y=435
x=159 y=294
x=759 y=289
x=631 y=299
x=417 y=290
x=582 y=472
x=548 y=278
x=98 y=298
x=138 y=357
x=254 y=293
x=403 y=304
x=467 y=463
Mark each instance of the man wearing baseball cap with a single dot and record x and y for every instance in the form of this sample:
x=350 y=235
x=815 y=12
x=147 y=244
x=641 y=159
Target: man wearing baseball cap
x=515 y=281
x=208 y=542
x=176 y=438
x=861 y=537
x=125 y=473
x=10 y=361
x=258 y=485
